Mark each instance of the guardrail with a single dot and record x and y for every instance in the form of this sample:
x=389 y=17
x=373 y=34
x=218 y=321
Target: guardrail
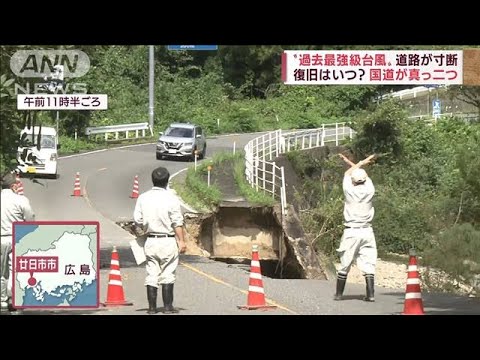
x=412 y=93
x=261 y=171
x=116 y=129
x=467 y=117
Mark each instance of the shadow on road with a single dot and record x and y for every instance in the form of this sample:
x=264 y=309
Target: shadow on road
x=194 y=259
x=161 y=310
x=125 y=254
x=352 y=297
x=443 y=304
x=127 y=259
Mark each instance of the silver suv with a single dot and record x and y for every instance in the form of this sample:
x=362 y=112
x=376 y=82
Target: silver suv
x=181 y=140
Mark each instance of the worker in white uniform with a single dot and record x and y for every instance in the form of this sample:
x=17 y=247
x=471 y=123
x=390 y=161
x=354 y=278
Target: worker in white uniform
x=14 y=208
x=157 y=212
x=358 y=240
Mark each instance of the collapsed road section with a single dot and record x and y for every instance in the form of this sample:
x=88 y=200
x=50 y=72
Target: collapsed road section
x=228 y=233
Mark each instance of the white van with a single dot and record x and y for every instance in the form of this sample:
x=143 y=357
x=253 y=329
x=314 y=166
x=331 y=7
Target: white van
x=34 y=160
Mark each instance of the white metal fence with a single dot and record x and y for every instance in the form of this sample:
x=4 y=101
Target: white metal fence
x=260 y=169
x=116 y=129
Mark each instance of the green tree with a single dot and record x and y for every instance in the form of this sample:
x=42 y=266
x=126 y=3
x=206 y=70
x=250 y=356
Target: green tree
x=379 y=132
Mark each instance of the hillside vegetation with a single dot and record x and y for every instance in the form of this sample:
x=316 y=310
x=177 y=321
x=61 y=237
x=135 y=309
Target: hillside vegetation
x=427 y=180
x=427 y=177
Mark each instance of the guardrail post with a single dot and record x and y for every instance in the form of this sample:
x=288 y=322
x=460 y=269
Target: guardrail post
x=336 y=134
x=270 y=145
x=136 y=134
x=279 y=142
x=126 y=134
x=273 y=179
x=263 y=147
x=255 y=166
x=209 y=168
x=323 y=135
x=318 y=138
x=283 y=193
x=351 y=133
x=249 y=163
x=143 y=133
x=116 y=135
x=106 y=136
x=264 y=175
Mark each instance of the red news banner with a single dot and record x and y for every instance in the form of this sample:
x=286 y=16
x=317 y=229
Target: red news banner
x=377 y=67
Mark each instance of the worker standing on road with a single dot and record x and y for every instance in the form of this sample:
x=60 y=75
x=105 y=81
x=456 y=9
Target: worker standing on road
x=14 y=207
x=157 y=212
x=358 y=240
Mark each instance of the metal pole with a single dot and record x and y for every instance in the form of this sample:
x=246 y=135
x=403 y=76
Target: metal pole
x=151 y=87
x=208 y=179
x=336 y=134
x=283 y=194
x=58 y=120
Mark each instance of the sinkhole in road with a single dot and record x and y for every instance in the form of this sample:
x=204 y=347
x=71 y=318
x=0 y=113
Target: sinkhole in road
x=227 y=236
x=273 y=269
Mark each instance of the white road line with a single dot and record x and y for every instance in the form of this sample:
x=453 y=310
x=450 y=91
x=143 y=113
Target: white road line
x=151 y=143
x=101 y=150
x=181 y=200
x=82 y=154
x=178 y=172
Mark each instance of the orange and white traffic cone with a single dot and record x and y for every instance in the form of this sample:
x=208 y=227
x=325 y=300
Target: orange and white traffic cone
x=135 y=188
x=76 y=189
x=19 y=185
x=256 y=293
x=413 y=295
x=115 y=294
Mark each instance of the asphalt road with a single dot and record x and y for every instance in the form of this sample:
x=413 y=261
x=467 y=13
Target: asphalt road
x=203 y=286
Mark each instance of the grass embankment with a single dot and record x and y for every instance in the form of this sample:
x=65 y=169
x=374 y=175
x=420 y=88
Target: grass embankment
x=196 y=192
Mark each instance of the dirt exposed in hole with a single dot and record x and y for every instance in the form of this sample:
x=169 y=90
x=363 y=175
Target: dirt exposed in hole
x=194 y=234
x=270 y=268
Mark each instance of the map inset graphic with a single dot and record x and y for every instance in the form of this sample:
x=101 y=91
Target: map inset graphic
x=55 y=264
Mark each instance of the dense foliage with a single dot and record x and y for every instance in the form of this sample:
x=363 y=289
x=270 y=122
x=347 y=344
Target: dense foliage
x=234 y=89
x=427 y=183
x=427 y=177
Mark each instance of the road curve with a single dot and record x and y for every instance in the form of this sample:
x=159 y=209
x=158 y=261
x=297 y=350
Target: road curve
x=106 y=179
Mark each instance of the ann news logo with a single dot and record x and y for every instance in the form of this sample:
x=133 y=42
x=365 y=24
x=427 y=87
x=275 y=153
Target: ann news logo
x=52 y=66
